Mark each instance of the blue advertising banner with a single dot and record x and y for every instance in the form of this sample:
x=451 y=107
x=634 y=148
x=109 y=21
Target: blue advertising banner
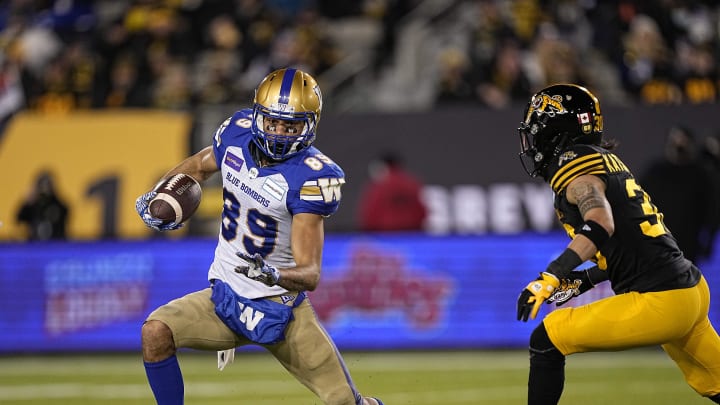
x=377 y=292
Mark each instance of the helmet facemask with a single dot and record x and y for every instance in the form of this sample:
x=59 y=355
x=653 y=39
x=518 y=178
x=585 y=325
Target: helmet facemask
x=539 y=146
x=528 y=151
x=282 y=146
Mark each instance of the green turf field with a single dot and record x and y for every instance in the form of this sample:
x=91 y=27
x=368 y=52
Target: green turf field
x=462 y=378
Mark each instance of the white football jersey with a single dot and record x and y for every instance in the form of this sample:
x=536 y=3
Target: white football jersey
x=259 y=203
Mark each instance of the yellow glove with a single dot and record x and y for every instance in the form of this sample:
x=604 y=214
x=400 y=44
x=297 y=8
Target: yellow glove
x=532 y=297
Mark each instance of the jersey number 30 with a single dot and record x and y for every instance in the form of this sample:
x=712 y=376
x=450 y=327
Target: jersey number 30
x=649 y=209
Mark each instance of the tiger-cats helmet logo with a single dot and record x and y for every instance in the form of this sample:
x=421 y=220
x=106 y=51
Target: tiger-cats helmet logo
x=546 y=104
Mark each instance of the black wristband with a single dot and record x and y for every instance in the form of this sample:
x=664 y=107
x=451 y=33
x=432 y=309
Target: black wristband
x=564 y=264
x=595 y=232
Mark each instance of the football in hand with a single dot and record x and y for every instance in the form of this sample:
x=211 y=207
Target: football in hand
x=177 y=199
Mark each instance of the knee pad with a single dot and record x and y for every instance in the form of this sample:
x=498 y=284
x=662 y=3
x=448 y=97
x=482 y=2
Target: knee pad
x=542 y=349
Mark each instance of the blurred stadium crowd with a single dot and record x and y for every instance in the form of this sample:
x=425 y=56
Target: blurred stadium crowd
x=372 y=55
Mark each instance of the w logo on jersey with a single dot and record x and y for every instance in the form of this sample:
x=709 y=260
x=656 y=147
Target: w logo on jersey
x=262 y=321
x=249 y=316
x=325 y=189
x=330 y=189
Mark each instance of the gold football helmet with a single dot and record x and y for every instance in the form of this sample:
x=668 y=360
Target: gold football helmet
x=289 y=95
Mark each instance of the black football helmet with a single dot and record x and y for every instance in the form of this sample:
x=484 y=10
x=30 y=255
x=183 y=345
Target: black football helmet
x=556 y=118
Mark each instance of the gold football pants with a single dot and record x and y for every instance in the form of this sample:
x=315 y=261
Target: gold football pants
x=675 y=319
x=307 y=352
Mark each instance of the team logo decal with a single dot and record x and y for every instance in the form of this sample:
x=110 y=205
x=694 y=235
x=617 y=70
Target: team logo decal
x=286 y=108
x=233 y=161
x=325 y=189
x=274 y=189
x=567 y=156
x=545 y=104
x=567 y=290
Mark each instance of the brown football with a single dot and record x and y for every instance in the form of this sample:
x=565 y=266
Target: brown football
x=177 y=199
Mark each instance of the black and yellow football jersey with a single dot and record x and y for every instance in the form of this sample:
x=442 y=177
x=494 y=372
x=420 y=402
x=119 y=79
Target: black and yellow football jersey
x=642 y=255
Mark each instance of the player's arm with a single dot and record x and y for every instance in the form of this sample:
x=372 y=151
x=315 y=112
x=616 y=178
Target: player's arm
x=200 y=166
x=307 y=238
x=587 y=192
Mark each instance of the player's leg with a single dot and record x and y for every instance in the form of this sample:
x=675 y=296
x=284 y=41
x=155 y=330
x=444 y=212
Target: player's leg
x=697 y=354
x=161 y=364
x=189 y=321
x=563 y=332
x=623 y=321
x=547 y=369
x=694 y=356
x=310 y=355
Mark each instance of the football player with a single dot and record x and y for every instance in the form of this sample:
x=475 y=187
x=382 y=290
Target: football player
x=277 y=190
x=661 y=298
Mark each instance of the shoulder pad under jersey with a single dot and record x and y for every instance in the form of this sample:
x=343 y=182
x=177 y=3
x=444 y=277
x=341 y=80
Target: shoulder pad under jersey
x=234 y=131
x=316 y=181
x=580 y=160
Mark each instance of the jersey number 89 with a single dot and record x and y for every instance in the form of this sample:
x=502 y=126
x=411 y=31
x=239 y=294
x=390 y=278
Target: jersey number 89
x=263 y=227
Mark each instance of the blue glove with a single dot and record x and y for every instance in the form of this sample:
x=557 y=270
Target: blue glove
x=141 y=206
x=256 y=269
